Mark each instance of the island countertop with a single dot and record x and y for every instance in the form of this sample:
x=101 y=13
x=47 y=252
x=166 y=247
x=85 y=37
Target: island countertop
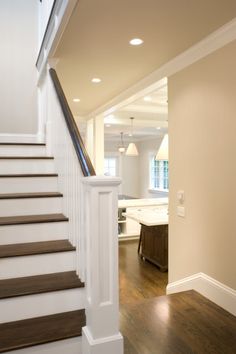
x=156 y=216
x=127 y=203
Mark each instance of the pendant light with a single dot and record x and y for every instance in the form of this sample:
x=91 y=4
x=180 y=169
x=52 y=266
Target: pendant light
x=132 y=149
x=162 y=153
x=121 y=148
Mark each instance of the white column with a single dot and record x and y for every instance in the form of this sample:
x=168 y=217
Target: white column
x=101 y=334
x=90 y=139
x=99 y=145
x=95 y=143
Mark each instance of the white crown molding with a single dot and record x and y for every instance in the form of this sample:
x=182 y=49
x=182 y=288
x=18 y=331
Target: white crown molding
x=146 y=109
x=216 y=40
x=212 y=289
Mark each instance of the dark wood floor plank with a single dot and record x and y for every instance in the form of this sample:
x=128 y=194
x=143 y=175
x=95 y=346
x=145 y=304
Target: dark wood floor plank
x=30 y=195
x=41 y=330
x=183 y=323
x=22 y=144
x=26 y=157
x=178 y=324
x=139 y=280
x=31 y=219
x=39 y=284
x=28 y=175
x=32 y=248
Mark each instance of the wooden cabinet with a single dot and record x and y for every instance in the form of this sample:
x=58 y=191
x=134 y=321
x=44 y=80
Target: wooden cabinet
x=154 y=245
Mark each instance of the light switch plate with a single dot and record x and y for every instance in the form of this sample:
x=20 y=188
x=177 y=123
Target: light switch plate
x=180 y=197
x=181 y=211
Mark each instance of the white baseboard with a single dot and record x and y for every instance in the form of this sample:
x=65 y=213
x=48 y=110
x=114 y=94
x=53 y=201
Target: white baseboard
x=122 y=238
x=107 y=345
x=20 y=138
x=212 y=289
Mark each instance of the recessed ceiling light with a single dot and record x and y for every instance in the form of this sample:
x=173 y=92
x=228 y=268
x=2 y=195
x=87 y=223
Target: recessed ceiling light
x=136 y=41
x=108 y=125
x=96 y=80
x=76 y=100
x=158 y=128
x=147 y=99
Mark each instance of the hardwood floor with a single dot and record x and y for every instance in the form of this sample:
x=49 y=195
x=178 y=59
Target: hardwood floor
x=184 y=323
x=139 y=280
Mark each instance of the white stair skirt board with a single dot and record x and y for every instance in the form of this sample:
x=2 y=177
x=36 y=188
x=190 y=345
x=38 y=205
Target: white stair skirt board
x=212 y=289
x=27 y=166
x=30 y=206
x=106 y=345
x=14 y=267
x=22 y=150
x=30 y=306
x=69 y=346
x=28 y=184
x=33 y=232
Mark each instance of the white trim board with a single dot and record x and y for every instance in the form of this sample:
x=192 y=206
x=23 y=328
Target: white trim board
x=19 y=138
x=212 y=289
x=216 y=40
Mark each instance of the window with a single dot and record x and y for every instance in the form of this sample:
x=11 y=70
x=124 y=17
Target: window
x=159 y=178
x=110 y=166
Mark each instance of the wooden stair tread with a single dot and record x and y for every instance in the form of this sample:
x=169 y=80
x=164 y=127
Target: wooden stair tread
x=40 y=330
x=31 y=248
x=39 y=284
x=31 y=219
x=23 y=144
x=14 y=175
x=26 y=157
x=30 y=195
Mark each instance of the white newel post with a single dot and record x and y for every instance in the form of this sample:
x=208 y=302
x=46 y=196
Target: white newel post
x=101 y=334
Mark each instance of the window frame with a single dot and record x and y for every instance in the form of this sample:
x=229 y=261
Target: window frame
x=152 y=189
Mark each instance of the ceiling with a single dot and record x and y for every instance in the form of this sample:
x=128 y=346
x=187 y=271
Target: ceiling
x=96 y=43
x=150 y=115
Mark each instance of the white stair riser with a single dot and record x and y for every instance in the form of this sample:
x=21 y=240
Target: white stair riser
x=33 y=232
x=28 y=184
x=70 y=346
x=30 y=206
x=23 y=307
x=14 y=267
x=23 y=150
x=27 y=166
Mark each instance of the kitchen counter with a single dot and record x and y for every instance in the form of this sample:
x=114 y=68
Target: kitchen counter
x=127 y=203
x=149 y=217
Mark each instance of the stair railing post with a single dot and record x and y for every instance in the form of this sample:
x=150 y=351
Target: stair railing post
x=101 y=334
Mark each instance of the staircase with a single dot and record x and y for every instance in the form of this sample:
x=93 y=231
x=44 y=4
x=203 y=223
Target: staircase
x=42 y=299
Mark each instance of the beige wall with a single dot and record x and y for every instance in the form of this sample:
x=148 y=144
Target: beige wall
x=202 y=130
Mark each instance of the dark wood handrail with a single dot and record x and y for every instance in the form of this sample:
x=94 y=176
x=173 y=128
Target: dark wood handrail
x=84 y=159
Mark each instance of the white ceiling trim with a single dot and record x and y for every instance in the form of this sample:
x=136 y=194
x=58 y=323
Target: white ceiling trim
x=216 y=40
x=145 y=109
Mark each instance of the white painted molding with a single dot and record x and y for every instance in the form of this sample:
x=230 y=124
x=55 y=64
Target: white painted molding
x=216 y=40
x=20 y=138
x=212 y=289
x=58 y=22
x=113 y=344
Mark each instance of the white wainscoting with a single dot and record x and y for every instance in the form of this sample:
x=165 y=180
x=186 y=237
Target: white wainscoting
x=212 y=289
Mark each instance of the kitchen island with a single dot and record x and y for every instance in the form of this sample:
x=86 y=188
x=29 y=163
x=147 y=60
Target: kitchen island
x=129 y=228
x=153 y=242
